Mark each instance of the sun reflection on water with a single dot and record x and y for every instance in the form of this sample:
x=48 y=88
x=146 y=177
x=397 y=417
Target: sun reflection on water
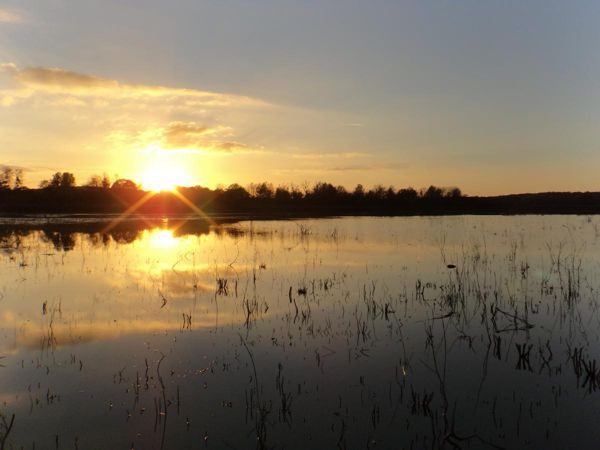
x=162 y=239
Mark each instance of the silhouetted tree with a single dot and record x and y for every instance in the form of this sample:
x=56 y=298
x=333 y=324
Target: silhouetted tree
x=341 y=191
x=105 y=183
x=407 y=194
x=390 y=193
x=377 y=193
x=7 y=178
x=236 y=193
x=94 y=181
x=18 y=179
x=55 y=180
x=323 y=192
x=454 y=193
x=264 y=190
x=59 y=180
x=296 y=193
x=433 y=192
x=359 y=191
x=11 y=178
x=282 y=194
x=124 y=184
x=67 y=180
x=99 y=181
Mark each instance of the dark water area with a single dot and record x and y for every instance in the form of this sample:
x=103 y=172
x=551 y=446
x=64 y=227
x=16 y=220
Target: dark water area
x=467 y=332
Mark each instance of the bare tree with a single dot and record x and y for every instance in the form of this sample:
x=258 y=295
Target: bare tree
x=7 y=177
x=94 y=181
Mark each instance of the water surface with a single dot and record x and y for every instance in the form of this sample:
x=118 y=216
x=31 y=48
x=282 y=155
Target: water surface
x=426 y=332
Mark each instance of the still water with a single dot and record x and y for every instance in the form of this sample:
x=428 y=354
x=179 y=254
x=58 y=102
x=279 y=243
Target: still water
x=392 y=333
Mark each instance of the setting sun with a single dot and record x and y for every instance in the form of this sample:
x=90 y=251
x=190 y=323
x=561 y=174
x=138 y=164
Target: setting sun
x=160 y=180
x=164 y=170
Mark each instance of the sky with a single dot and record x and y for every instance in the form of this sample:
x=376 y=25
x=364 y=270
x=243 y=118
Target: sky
x=491 y=96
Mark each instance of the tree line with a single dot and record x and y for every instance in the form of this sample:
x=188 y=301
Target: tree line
x=60 y=193
x=100 y=195
x=13 y=179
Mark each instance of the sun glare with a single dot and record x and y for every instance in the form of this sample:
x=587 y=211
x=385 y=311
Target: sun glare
x=163 y=170
x=160 y=180
x=162 y=239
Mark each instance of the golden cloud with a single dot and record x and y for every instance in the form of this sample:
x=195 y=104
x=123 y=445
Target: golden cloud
x=191 y=135
x=185 y=134
x=186 y=137
x=32 y=80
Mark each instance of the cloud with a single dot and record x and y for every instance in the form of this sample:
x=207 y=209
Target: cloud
x=32 y=80
x=231 y=146
x=185 y=135
x=350 y=168
x=191 y=136
x=7 y=16
x=195 y=137
x=336 y=155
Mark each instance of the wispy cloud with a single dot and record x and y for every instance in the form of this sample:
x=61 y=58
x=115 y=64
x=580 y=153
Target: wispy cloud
x=350 y=168
x=9 y=16
x=231 y=146
x=32 y=80
x=336 y=155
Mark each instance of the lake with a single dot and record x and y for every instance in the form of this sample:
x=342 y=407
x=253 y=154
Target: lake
x=405 y=333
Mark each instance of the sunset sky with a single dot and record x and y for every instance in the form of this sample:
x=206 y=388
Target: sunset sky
x=492 y=96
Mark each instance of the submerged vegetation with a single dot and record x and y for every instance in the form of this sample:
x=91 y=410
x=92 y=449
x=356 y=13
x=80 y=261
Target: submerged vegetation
x=440 y=333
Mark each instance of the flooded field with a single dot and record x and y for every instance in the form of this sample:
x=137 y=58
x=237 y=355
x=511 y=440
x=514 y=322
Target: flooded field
x=392 y=333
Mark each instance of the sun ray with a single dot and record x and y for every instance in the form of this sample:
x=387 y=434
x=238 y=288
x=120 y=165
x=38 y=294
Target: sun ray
x=128 y=212
x=198 y=211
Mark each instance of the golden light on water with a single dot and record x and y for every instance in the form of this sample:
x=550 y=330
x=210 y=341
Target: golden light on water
x=162 y=239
